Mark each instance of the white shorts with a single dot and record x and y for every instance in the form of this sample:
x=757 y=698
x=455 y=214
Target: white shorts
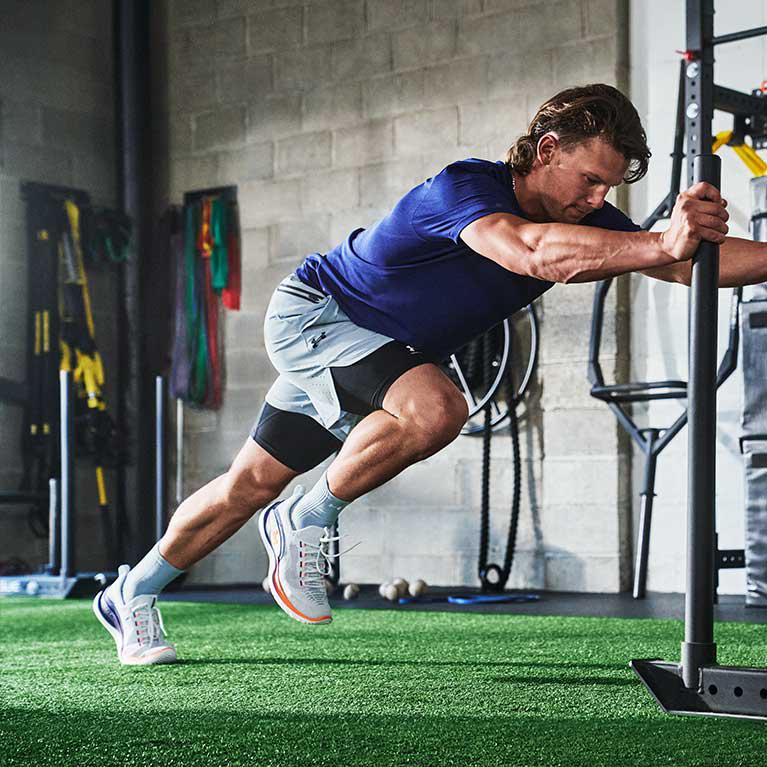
x=306 y=333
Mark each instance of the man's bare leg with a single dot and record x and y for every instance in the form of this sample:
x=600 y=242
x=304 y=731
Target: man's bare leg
x=219 y=509
x=207 y=518
x=422 y=413
x=127 y=608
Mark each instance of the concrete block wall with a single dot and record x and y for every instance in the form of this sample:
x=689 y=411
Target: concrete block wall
x=660 y=310
x=57 y=127
x=323 y=114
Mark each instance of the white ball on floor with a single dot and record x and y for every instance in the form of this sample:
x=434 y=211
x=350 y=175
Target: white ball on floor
x=417 y=588
x=351 y=591
x=382 y=589
x=265 y=585
x=391 y=592
x=402 y=586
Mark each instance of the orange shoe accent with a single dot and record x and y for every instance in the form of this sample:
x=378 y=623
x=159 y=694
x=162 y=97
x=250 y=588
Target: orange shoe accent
x=283 y=596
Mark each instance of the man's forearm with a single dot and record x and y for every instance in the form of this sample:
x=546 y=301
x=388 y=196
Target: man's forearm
x=565 y=253
x=741 y=262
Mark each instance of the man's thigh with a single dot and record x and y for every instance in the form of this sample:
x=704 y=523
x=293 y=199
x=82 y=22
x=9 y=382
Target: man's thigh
x=289 y=427
x=362 y=387
x=296 y=440
x=427 y=396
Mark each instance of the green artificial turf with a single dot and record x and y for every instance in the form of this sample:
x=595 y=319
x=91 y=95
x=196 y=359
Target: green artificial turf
x=373 y=688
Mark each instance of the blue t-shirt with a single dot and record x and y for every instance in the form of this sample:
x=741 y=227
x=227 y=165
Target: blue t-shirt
x=412 y=278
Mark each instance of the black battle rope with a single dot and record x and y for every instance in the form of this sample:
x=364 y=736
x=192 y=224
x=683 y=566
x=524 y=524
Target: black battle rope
x=492 y=576
x=484 y=527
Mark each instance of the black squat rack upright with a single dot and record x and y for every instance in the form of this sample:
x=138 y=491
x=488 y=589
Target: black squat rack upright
x=698 y=685
x=652 y=440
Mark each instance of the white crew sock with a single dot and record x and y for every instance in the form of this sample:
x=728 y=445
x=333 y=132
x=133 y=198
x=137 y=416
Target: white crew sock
x=318 y=507
x=150 y=576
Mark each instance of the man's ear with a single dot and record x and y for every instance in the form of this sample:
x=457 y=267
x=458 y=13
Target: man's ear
x=547 y=146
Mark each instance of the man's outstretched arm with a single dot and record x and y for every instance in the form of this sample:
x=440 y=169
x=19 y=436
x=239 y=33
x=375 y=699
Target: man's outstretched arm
x=569 y=253
x=741 y=262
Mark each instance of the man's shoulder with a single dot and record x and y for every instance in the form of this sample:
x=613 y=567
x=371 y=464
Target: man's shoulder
x=472 y=173
x=473 y=165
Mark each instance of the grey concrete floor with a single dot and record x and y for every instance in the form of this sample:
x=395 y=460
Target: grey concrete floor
x=655 y=605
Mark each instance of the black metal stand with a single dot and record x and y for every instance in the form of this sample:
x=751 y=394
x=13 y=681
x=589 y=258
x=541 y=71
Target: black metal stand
x=652 y=441
x=645 y=513
x=698 y=685
x=160 y=456
x=61 y=577
x=750 y=118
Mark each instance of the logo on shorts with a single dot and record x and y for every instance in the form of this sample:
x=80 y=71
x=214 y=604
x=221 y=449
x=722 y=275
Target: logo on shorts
x=315 y=340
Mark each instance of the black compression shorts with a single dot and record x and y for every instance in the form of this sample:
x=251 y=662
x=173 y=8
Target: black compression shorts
x=301 y=443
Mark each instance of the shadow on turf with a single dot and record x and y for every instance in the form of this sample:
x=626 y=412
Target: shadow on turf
x=586 y=681
x=395 y=662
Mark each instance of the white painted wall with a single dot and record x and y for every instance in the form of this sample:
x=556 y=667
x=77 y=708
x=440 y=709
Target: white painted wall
x=659 y=318
x=384 y=94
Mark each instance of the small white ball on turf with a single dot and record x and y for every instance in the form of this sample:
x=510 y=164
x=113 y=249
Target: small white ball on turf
x=265 y=585
x=391 y=592
x=417 y=588
x=402 y=586
x=351 y=591
x=382 y=589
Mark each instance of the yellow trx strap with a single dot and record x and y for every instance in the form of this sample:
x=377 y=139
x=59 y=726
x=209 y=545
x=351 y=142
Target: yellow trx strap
x=46 y=350
x=88 y=369
x=750 y=158
x=73 y=213
x=100 y=485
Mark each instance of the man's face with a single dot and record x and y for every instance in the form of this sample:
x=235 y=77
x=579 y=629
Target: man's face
x=575 y=181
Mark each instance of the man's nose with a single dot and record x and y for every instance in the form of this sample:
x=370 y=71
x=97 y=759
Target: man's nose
x=597 y=198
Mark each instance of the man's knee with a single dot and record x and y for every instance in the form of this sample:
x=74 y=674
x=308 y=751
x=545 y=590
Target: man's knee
x=254 y=479
x=430 y=406
x=246 y=491
x=439 y=421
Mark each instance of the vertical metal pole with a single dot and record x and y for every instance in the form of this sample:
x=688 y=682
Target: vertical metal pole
x=645 y=517
x=179 y=451
x=698 y=648
x=66 y=431
x=54 y=543
x=678 y=154
x=134 y=174
x=159 y=460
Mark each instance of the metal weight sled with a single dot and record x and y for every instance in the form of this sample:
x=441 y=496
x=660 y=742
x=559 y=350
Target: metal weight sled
x=698 y=685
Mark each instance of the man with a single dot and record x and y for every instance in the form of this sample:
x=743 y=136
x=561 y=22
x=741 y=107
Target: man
x=356 y=334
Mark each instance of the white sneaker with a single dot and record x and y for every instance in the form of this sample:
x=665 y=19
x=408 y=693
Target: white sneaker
x=298 y=562
x=136 y=626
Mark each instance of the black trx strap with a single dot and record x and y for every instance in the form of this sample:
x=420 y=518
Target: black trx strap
x=61 y=229
x=39 y=436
